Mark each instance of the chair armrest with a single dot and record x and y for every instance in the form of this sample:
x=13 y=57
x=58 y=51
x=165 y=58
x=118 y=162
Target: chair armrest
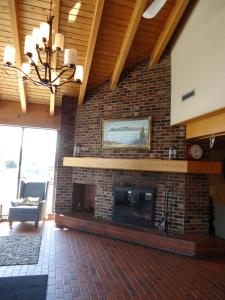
x=16 y=202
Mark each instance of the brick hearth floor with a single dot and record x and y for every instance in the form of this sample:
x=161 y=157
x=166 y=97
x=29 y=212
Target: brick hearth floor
x=85 y=266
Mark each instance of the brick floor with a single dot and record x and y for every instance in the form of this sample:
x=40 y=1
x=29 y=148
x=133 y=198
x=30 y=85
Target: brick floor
x=84 y=266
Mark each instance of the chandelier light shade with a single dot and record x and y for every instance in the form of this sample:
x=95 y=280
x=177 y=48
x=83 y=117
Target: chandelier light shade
x=79 y=74
x=59 y=41
x=40 y=51
x=9 y=55
x=70 y=57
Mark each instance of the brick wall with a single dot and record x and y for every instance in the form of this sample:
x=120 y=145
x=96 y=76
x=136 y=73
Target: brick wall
x=141 y=92
x=64 y=187
x=196 y=203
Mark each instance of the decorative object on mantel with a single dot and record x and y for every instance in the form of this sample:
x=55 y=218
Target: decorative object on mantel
x=41 y=54
x=76 y=150
x=126 y=133
x=195 y=152
x=172 y=153
x=212 y=139
x=145 y=164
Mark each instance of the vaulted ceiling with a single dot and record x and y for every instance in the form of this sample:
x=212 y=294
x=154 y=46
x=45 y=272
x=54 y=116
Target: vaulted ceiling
x=109 y=36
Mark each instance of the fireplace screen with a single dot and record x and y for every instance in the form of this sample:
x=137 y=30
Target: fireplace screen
x=134 y=206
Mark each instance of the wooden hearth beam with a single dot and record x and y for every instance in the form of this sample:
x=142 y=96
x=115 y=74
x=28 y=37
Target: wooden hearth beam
x=127 y=41
x=145 y=164
x=55 y=26
x=91 y=46
x=168 y=30
x=15 y=35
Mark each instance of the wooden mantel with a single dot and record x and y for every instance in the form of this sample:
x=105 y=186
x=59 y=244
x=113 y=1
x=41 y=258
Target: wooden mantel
x=145 y=164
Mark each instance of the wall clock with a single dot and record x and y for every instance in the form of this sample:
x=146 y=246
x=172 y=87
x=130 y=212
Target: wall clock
x=195 y=152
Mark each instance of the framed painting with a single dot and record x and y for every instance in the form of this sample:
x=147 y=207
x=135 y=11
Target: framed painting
x=126 y=133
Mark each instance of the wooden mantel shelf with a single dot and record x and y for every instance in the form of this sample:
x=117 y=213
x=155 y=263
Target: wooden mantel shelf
x=145 y=164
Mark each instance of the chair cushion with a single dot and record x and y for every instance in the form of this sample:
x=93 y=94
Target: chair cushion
x=24 y=209
x=26 y=201
x=31 y=201
x=24 y=213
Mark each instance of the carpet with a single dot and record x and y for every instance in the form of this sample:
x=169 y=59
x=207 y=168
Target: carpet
x=24 y=287
x=19 y=250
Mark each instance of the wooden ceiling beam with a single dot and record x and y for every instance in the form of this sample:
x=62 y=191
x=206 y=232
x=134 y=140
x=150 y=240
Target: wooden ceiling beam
x=55 y=27
x=127 y=41
x=91 y=46
x=15 y=35
x=168 y=30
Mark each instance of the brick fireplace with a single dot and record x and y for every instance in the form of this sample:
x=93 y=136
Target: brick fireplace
x=141 y=92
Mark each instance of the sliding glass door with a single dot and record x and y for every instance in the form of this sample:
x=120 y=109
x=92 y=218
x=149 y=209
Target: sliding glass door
x=10 y=147
x=25 y=154
x=38 y=158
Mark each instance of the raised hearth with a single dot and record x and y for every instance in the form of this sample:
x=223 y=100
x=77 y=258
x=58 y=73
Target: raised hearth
x=196 y=245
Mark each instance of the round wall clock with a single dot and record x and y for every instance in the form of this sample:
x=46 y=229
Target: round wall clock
x=195 y=152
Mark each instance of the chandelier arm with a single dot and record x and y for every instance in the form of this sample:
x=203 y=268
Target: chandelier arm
x=71 y=75
x=49 y=74
x=72 y=81
x=34 y=81
x=39 y=56
x=45 y=72
x=60 y=68
x=16 y=68
x=37 y=71
x=6 y=71
x=25 y=75
x=38 y=83
x=60 y=74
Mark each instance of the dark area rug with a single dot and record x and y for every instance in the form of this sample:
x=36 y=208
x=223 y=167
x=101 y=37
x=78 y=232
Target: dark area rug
x=24 y=287
x=19 y=250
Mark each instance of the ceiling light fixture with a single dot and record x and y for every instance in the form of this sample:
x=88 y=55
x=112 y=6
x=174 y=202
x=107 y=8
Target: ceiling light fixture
x=40 y=52
x=153 y=9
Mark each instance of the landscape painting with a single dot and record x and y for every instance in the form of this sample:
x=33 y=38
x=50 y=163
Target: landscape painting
x=126 y=133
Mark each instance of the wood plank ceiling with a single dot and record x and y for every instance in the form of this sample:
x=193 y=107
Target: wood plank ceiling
x=76 y=22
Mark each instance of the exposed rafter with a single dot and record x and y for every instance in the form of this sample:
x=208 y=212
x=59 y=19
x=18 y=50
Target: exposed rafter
x=91 y=47
x=127 y=41
x=15 y=35
x=55 y=26
x=168 y=30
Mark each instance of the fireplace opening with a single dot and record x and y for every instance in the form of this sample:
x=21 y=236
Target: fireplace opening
x=83 y=198
x=134 y=206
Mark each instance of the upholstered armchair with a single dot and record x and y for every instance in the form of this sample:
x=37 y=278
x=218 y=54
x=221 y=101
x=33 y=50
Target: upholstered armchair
x=31 y=205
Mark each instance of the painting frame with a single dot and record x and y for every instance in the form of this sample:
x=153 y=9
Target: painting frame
x=145 y=143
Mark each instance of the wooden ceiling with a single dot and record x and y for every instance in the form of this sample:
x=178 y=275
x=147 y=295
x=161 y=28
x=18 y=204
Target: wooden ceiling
x=109 y=36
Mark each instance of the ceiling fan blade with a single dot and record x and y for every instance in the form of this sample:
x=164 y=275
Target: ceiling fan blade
x=153 y=9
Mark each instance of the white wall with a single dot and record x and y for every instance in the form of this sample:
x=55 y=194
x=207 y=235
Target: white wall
x=198 y=62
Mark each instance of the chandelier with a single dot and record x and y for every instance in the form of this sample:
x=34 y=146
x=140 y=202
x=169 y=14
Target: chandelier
x=41 y=53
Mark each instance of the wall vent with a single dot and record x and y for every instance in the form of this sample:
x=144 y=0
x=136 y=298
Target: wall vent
x=188 y=95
